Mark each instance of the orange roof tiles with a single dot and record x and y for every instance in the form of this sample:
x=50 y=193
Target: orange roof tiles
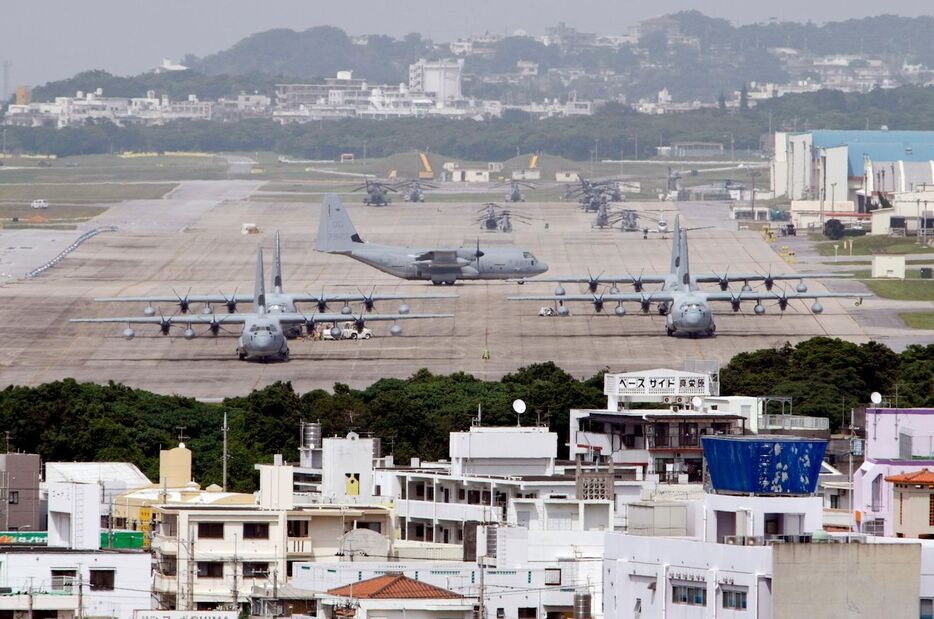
x=393 y=587
x=923 y=476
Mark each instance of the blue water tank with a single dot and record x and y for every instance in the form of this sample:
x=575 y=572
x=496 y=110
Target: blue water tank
x=764 y=464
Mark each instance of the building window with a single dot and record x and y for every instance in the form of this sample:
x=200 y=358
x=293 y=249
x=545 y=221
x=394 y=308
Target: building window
x=927 y=608
x=253 y=569
x=298 y=528
x=63 y=580
x=734 y=599
x=13 y=497
x=901 y=507
x=461 y=494
x=211 y=530
x=931 y=510
x=255 y=530
x=527 y=613
x=102 y=580
x=289 y=568
x=210 y=569
x=687 y=594
x=552 y=576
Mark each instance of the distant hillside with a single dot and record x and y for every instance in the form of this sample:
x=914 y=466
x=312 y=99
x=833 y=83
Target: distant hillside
x=910 y=38
x=177 y=85
x=316 y=53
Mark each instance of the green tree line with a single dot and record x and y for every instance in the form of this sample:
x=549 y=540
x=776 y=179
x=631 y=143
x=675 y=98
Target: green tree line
x=70 y=421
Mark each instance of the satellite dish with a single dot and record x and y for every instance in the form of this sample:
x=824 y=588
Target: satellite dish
x=696 y=402
x=876 y=397
x=363 y=545
x=518 y=406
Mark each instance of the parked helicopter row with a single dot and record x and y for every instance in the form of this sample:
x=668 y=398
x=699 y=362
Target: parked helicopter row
x=276 y=317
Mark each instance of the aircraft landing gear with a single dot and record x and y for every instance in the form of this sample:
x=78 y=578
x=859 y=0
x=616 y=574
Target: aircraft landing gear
x=670 y=330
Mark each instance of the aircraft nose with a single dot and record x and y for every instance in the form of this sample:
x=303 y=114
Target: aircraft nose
x=541 y=267
x=692 y=318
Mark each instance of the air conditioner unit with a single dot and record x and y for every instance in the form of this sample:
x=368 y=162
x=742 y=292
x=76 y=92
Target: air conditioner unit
x=733 y=540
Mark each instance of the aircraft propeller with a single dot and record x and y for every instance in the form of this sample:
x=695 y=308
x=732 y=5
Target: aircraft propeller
x=231 y=301
x=183 y=303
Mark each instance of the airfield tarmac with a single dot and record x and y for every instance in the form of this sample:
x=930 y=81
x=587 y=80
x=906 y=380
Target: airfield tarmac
x=192 y=239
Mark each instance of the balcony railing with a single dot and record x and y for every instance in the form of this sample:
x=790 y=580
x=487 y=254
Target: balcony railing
x=793 y=422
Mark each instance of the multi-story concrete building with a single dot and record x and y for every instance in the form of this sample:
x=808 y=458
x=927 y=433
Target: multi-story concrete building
x=71 y=576
x=898 y=441
x=208 y=556
x=19 y=492
x=439 y=78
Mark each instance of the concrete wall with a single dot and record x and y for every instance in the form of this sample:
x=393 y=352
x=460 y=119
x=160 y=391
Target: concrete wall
x=882 y=580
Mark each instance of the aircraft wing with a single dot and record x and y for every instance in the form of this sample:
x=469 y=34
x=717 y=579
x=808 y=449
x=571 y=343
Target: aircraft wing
x=186 y=319
x=713 y=278
x=774 y=295
x=439 y=258
x=296 y=318
x=623 y=297
x=192 y=298
x=339 y=298
x=601 y=279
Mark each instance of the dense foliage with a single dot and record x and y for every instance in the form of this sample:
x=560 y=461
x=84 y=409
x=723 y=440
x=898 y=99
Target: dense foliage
x=86 y=422
x=614 y=129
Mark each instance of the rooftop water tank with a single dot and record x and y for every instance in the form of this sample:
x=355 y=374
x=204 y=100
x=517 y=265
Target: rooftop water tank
x=763 y=464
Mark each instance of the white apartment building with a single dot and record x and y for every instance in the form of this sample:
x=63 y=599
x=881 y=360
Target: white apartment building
x=440 y=78
x=71 y=576
x=208 y=556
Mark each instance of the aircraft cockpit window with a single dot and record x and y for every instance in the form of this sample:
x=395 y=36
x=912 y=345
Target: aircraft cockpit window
x=526 y=254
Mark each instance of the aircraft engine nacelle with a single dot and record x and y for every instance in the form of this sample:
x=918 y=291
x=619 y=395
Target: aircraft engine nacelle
x=129 y=333
x=598 y=305
x=735 y=304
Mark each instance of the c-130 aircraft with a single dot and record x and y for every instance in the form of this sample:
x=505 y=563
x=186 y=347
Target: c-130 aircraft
x=263 y=336
x=681 y=300
x=337 y=235
x=277 y=301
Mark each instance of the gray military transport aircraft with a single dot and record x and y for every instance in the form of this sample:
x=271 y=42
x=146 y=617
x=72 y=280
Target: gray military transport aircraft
x=263 y=336
x=337 y=235
x=687 y=307
x=276 y=301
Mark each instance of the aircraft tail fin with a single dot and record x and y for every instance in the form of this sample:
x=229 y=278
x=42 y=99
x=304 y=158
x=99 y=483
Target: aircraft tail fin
x=676 y=244
x=336 y=233
x=259 y=291
x=277 y=266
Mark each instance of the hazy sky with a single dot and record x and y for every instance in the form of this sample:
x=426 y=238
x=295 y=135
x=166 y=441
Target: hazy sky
x=52 y=39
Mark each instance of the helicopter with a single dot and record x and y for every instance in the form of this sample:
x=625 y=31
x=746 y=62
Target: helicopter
x=493 y=217
x=377 y=192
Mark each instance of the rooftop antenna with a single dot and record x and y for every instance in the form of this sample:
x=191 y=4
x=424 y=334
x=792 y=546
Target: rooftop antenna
x=519 y=407
x=181 y=435
x=225 y=456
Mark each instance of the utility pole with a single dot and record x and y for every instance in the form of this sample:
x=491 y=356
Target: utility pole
x=850 y=477
x=191 y=569
x=80 y=614
x=482 y=592
x=224 y=458
x=233 y=589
